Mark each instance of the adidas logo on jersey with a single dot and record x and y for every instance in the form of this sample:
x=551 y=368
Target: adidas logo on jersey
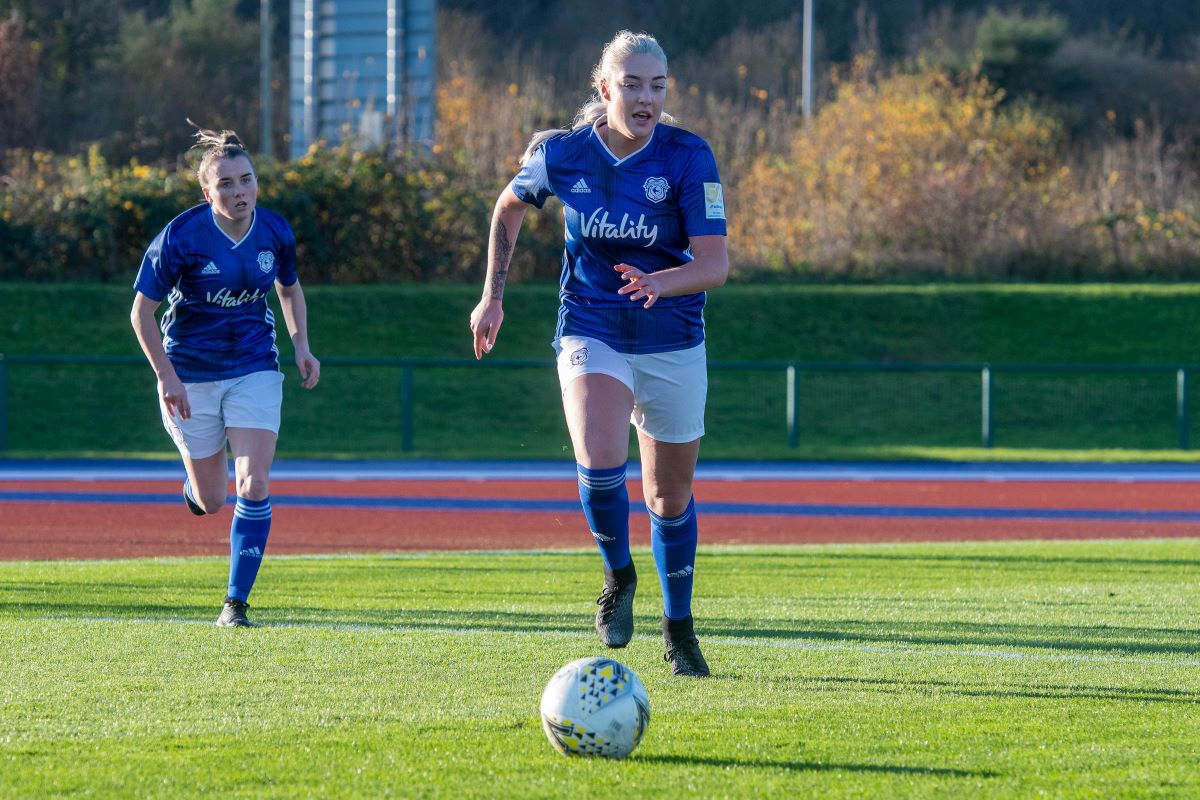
x=210 y=269
x=580 y=187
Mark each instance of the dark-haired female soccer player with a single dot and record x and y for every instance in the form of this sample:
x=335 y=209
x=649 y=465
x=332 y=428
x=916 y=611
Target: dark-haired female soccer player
x=645 y=237
x=216 y=361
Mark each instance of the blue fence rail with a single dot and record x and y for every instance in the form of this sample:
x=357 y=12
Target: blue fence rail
x=796 y=377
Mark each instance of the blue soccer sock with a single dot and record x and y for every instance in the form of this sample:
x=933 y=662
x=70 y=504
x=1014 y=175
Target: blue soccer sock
x=606 y=505
x=247 y=542
x=673 y=540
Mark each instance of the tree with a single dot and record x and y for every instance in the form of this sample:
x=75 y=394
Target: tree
x=1015 y=49
x=18 y=85
x=200 y=60
x=68 y=36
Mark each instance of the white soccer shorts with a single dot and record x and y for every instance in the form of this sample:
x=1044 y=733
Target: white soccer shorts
x=251 y=401
x=669 y=389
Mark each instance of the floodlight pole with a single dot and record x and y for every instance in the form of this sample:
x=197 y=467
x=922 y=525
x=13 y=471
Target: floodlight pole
x=806 y=74
x=264 y=76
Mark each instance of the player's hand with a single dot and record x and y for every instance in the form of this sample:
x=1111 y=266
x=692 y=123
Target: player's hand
x=175 y=398
x=485 y=324
x=310 y=368
x=639 y=285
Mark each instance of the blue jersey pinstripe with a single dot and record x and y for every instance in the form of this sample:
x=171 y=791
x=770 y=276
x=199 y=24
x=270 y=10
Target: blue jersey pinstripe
x=639 y=210
x=218 y=324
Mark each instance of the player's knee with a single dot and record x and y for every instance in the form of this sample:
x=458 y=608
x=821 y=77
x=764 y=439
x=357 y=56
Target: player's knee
x=253 y=486
x=669 y=504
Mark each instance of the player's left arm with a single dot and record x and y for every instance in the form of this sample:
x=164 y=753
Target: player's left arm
x=708 y=269
x=295 y=314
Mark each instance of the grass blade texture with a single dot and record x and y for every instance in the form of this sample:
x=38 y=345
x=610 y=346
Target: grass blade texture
x=939 y=670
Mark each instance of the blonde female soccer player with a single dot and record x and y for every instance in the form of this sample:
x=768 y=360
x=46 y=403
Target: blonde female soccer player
x=645 y=237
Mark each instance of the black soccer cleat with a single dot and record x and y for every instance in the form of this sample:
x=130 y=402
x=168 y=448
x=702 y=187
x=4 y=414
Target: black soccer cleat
x=192 y=505
x=614 y=615
x=683 y=648
x=233 y=615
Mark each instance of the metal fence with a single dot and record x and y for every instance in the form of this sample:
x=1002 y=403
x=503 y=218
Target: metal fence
x=399 y=401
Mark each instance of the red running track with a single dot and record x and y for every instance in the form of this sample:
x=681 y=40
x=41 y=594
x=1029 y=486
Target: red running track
x=55 y=529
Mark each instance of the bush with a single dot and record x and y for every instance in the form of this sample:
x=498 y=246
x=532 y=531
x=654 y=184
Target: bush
x=925 y=173
x=359 y=217
x=78 y=218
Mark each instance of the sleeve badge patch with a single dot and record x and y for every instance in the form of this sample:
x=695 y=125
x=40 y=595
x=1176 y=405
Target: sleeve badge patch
x=714 y=201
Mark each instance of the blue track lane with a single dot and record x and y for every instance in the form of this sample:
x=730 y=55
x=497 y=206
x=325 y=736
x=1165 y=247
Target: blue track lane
x=291 y=469
x=570 y=507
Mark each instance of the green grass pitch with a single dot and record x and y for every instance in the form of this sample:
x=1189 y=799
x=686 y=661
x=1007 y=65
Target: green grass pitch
x=1063 y=669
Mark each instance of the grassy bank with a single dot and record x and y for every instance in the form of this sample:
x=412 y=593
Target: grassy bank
x=472 y=411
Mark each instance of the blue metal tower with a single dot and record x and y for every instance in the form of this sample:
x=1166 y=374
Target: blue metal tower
x=363 y=70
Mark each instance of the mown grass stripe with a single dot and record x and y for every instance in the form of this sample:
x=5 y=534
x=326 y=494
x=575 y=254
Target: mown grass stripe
x=584 y=635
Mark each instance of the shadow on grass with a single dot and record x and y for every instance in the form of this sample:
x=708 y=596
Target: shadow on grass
x=1092 y=638
x=809 y=557
x=1107 y=640
x=817 y=766
x=1137 y=694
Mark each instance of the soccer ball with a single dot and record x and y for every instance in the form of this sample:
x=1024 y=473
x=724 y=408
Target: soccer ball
x=595 y=707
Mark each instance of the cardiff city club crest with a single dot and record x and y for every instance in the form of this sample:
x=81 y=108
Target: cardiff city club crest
x=656 y=189
x=266 y=260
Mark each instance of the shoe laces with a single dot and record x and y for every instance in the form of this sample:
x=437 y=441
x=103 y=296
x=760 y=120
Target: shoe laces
x=687 y=650
x=608 y=600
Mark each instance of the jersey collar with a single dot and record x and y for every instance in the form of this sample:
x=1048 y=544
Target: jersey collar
x=232 y=241
x=612 y=158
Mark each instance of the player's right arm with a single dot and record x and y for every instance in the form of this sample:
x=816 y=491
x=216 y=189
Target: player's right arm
x=145 y=326
x=507 y=217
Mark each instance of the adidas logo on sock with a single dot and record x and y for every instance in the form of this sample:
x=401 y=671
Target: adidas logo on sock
x=683 y=573
x=256 y=552
x=580 y=187
x=210 y=269
x=600 y=537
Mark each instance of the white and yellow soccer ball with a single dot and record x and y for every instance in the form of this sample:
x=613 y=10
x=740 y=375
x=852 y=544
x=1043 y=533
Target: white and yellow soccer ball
x=595 y=707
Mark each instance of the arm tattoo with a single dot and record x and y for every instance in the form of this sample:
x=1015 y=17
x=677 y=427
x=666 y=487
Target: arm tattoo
x=502 y=250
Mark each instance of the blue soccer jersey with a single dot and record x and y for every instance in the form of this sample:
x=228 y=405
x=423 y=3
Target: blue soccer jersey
x=218 y=324
x=638 y=210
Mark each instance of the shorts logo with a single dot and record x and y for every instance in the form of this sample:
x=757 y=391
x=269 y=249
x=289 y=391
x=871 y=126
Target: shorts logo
x=656 y=189
x=266 y=260
x=579 y=356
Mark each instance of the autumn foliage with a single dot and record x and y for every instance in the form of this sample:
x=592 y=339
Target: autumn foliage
x=909 y=173
x=927 y=173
